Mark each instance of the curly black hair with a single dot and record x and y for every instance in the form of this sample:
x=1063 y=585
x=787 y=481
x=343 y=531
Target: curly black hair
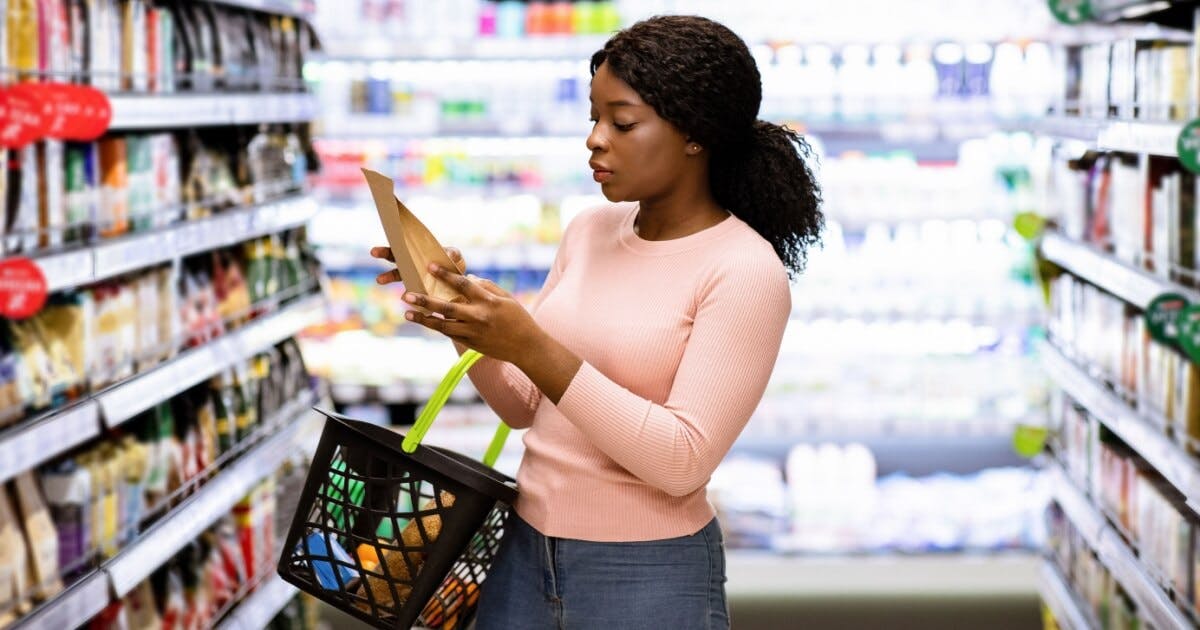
x=699 y=76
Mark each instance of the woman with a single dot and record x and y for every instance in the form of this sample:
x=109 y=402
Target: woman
x=651 y=342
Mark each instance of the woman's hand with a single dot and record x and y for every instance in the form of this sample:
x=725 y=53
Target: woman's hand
x=385 y=253
x=493 y=323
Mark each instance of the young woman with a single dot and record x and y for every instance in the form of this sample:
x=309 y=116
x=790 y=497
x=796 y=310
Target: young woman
x=651 y=342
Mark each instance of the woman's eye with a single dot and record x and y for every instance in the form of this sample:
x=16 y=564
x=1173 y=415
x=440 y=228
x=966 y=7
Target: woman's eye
x=621 y=127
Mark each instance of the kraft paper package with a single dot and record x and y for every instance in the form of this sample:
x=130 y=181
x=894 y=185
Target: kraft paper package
x=413 y=246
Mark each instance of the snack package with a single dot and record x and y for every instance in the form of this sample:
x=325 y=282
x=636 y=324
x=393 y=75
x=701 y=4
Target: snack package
x=52 y=203
x=40 y=535
x=14 y=557
x=68 y=489
x=413 y=245
x=398 y=565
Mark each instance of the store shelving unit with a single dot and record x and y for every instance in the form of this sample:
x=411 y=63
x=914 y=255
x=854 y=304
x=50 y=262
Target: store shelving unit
x=1136 y=286
x=39 y=439
x=549 y=48
x=256 y=611
x=214 y=499
x=1063 y=601
x=1139 y=429
x=1126 y=136
x=86 y=598
x=121 y=403
x=165 y=111
x=1116 y=555
x=1142 y=430
x=111 y=258
x=294 y=8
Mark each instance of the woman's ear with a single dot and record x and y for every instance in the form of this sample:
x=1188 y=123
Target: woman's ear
x=693 y=148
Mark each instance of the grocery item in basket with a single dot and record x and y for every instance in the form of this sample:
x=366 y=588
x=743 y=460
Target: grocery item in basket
x=454 y=597
x=396 y=562
x=331 y=575
x=413 y=245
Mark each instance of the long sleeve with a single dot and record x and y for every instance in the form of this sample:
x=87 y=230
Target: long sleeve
x=724 y=370
x=502 y=385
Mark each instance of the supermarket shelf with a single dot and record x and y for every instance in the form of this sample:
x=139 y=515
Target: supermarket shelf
x=756 y=574
x=1133 y=285
x=1116 y=555
x=43 y=439
x=1062 y=600
x=124 y=401
x=1173 y=13
x=1128 y=136
x=177 y=111
x=1169 y=459
x=112 y=258
x=294 y=8
x=257 y=610
x=549 y=48
x=215 y=499
x=71 y=608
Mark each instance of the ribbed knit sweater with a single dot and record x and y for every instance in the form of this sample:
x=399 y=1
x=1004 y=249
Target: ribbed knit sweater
x=678 y=339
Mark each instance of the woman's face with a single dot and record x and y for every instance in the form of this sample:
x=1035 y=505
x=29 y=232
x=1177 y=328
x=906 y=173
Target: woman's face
x=636 y=155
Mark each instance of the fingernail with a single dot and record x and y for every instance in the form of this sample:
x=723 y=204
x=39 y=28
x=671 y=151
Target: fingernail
x=410 y=298
x=433 y=267
x=408 y=315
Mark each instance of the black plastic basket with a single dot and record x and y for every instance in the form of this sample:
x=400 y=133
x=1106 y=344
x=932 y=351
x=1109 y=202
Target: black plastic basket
x=395 y=532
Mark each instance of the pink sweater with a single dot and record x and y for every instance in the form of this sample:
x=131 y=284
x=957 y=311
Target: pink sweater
x=678 y=340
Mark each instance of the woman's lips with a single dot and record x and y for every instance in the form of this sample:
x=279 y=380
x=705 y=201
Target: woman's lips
x=601 y=176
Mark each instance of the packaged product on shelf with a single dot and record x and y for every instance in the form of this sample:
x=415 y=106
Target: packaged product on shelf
x=161 y=25
x=21 y=221
x=41 y=536
x=223 y=409
x=134 y=466
x=24 y=52
x=166 y=185
x=82 y=186
x=11 y=402
x=114 y=181
x=140 y=181
x=233 y=295
x=63 y=325
x=135 y=48
x=52 y=210
x=14 y=560
x=141 y=608
x=244 y=408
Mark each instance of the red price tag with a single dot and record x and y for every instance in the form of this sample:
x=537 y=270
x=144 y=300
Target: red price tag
x=24 y=123
x=23 y=288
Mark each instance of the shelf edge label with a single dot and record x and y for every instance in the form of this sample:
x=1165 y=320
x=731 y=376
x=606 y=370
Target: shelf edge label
x=1187 y=145
x=1071 y=11
x=1162 y=317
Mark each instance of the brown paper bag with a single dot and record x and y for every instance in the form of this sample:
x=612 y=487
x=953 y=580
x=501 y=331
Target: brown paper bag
x=413 y=246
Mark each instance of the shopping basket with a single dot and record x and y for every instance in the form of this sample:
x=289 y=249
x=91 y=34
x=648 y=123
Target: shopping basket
x=394 y=532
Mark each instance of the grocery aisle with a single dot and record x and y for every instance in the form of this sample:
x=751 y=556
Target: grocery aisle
x=986 y=406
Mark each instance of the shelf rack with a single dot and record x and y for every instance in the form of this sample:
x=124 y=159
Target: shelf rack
x=1152 y=602
x=111 y=258
x=86 y=598
x=133 y=112
x=1064 y=602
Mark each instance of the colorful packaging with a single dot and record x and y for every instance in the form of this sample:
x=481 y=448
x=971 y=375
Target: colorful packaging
x=52 y=206
x=114 y=182
x=14 y=557
x=82 y=191
x=68 y=489
x=140 y=178
x=24 y=41
x=41 y=536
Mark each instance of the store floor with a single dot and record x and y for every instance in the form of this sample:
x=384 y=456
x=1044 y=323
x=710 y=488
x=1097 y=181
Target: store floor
x=769 y=592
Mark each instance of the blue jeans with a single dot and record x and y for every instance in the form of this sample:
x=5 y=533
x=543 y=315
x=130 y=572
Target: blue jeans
x=538 y=582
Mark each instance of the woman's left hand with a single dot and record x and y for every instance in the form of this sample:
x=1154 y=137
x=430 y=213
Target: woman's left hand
x=492 y=322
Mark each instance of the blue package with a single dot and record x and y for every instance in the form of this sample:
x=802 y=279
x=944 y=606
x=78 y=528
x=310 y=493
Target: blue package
x=314 y=547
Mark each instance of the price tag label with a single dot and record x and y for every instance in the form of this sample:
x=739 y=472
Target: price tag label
x=1188 y=146
x=66 y=270
x=23 y=288
x=1162 y=317
x=1071 y=11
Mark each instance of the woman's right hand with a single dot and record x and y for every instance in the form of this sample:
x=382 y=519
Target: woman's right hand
x=388 y=277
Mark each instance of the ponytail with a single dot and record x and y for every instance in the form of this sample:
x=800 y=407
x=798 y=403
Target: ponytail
x=765 y=180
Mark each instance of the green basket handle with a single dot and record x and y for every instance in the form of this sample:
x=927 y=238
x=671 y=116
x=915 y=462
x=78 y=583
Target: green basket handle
x=440 y=395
